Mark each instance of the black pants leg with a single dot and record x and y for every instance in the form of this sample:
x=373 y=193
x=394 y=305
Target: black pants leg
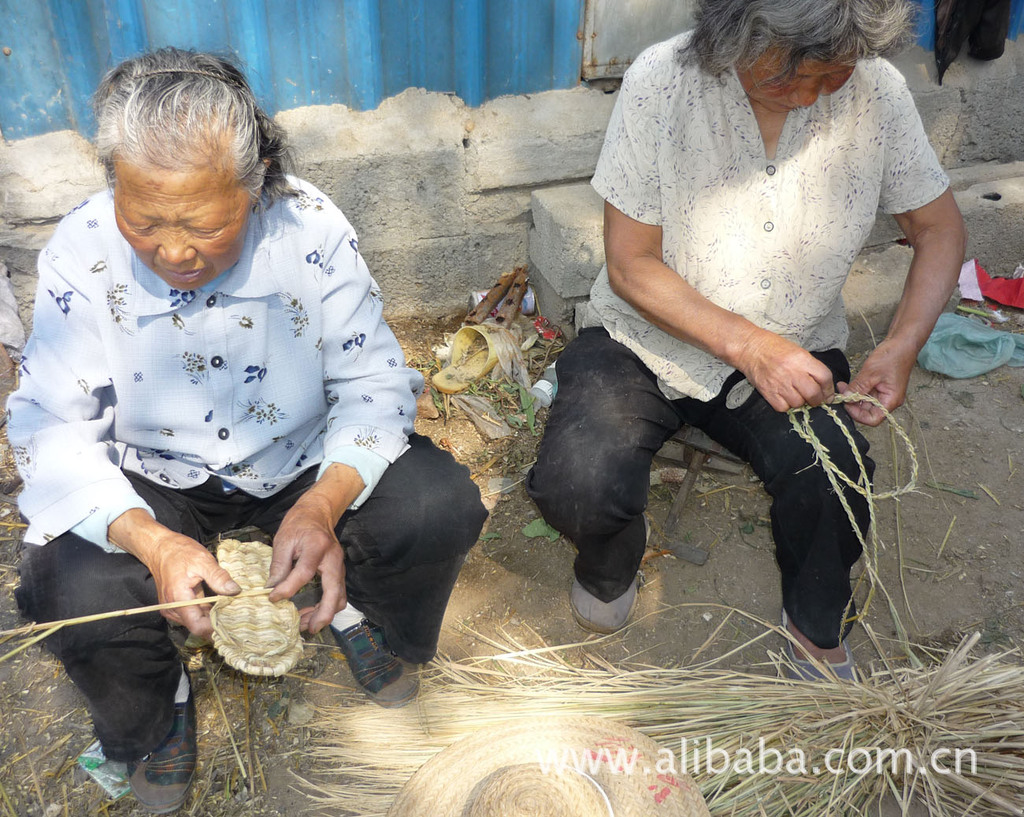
x=815 y=544
x=593 y=467
x=404 y=548
x=592 y=476
x=127 y=668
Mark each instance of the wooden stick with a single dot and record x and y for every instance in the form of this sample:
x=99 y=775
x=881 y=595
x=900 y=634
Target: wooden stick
x=513 y=298
x=480 y=312
x=134 y=611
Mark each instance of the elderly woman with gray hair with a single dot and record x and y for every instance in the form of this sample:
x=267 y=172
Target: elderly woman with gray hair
x=741 y=172
x=208 y=353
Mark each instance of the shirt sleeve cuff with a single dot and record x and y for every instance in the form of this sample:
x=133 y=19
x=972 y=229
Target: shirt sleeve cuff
x=370 y=465
x=94 y=527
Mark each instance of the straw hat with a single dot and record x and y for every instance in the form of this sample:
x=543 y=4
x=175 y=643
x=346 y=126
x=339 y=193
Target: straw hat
x=253 y=634
x=550 y=767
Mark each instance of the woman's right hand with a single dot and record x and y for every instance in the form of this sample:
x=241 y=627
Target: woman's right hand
x=180 y=566
x=786 y=375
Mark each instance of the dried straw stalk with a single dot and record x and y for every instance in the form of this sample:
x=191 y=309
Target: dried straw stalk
x=962 y=703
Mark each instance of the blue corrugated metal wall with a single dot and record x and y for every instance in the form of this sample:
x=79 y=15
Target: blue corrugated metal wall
x=296 y=52
x=301 y=52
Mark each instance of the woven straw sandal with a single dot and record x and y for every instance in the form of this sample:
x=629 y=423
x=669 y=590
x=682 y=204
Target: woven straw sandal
x=253 y=634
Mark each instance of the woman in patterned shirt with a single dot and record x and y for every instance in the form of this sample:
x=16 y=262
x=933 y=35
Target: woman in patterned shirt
x=742 y=170
x=209 y=353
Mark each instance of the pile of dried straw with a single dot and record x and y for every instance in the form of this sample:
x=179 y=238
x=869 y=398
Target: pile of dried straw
x=793 y=748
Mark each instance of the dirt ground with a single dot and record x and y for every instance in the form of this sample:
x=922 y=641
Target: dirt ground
x=950 y=559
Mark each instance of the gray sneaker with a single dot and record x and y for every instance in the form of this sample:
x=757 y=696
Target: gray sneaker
x=600 y=616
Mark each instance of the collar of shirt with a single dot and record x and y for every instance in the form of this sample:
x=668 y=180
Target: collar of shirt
x=152 y=296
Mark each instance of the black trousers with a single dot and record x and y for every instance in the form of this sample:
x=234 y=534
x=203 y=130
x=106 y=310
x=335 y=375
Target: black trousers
x=592 y=476
x=403 y=550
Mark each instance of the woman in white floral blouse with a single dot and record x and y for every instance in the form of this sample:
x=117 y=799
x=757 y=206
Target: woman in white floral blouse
x=742 y=170
x=208 y=353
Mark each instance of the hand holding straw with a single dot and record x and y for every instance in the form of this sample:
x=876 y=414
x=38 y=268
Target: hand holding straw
x=50 y=627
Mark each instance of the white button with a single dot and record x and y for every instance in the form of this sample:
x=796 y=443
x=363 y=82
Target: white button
x=766 y=283
x=768 y=226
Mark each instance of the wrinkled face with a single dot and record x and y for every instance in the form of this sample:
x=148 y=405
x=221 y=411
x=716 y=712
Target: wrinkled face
x=812 y=79
x=187 y=226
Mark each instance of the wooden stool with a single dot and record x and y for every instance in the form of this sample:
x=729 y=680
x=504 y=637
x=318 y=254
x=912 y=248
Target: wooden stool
x=696 y=450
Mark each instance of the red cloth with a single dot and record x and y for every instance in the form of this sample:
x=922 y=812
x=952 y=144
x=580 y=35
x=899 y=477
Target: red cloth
x=1007 y=291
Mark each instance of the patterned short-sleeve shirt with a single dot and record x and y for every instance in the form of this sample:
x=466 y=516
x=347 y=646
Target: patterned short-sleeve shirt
x=769 y=239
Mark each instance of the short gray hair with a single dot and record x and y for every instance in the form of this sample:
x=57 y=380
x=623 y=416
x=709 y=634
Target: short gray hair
x=732 y=33
x=171 y=109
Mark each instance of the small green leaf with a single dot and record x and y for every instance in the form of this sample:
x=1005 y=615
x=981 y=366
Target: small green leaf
x=747 y=528
x=538 y=527
x=952 y=489
x=491 y=534
x=526 y=401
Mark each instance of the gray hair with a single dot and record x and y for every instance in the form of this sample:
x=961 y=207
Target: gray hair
x=173 y=108
x=732 y=33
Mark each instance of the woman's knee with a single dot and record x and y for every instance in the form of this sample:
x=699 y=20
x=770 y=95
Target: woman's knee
x=593 y=496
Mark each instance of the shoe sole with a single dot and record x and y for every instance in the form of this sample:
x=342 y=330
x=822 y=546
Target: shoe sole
x=398 y=703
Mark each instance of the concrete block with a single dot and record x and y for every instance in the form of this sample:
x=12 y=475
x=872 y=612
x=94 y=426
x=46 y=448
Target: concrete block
x=414 y=120
x=400 y=175
x=41 y=179
x=988 y=111
x=994 y=115
x=943 y=114
x=960 y=178
x=567 y=239
x=434 y=276
x=558 y=309
x=885 y=231
x=871 y=293
x=987 y=175
x=397 y=172
x=500 y=207
x=545 y=138
x=392 y=199
x=994 y=214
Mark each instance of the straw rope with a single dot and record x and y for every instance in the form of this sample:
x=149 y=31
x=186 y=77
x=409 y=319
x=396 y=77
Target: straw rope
x=800 y=418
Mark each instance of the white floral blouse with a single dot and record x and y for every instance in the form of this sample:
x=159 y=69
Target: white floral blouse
x=769 y=239
x=282 y=361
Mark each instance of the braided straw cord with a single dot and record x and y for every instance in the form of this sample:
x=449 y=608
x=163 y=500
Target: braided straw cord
x=801 y=421
x=253 y=634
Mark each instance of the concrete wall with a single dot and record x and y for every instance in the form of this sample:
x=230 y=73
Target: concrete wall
x=440 y=193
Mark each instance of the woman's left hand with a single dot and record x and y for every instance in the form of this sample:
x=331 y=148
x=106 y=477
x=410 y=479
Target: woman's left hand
x=936 y=232
x=306 y=546
x=884 y=376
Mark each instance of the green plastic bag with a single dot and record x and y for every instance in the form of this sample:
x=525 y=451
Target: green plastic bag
x=960 y=347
